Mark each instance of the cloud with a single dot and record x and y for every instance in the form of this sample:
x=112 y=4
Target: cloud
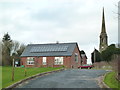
x=44 y=21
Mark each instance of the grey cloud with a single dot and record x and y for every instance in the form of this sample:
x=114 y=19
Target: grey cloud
x=64 y=21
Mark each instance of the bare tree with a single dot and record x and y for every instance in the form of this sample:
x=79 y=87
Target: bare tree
x=10 y=50
x=15 y=47
x=21 y=49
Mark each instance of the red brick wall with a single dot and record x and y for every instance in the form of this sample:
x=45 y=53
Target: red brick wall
x=67 y=61
x=84 y=60
x=49 y=62
x=73 y=63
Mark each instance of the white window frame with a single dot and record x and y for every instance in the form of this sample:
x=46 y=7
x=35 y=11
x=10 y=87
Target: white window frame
x=30 y=61
x=44 y=60
x=58 y=61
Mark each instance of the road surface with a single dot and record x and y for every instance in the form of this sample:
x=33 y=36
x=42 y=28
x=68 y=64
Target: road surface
x=71 y=78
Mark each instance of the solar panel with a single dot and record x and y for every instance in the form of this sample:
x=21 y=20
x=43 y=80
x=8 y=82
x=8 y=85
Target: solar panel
x=49 y=48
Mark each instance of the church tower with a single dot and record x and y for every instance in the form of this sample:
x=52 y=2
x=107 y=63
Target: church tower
x=103 y=35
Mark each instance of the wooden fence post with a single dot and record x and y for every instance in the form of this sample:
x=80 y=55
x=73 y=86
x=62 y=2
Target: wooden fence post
x=25 y=69
x=25 y=72
x=13 y=71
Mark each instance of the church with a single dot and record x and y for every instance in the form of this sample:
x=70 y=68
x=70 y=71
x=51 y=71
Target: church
x=103 y=41
x=103 y=35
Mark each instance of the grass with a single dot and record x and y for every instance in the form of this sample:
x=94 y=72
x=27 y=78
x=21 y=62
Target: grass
x=111 y=81
x=19 y=74
x=0 y=77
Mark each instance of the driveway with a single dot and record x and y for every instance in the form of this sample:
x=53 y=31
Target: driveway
x=72 y=78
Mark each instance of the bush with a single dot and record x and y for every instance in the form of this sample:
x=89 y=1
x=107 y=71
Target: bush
x=109 y=52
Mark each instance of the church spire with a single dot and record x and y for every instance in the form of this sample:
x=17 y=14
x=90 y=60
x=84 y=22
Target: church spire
x=103 y=29
x=103 y=35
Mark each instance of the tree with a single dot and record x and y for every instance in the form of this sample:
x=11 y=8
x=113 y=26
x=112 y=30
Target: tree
x=15 y=46
x=109 y=52
x=10 y=49
x=21 y=49
x=6 y=49
x=19 y=52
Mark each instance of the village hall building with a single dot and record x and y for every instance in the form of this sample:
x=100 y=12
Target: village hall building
x=52 y=55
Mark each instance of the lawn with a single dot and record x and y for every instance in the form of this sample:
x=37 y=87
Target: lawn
x=19 y=74
x=111 y=81
x=0 y=77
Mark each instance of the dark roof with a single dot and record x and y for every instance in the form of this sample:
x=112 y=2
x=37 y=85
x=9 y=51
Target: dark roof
x=55 y=49
x=82 y=52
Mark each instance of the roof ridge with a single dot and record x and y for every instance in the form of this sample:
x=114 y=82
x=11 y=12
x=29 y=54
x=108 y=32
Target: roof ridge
x=54 y=43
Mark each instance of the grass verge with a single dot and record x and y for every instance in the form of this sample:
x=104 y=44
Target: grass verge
x=0 y=77
x=19 y=74
x=111 y=81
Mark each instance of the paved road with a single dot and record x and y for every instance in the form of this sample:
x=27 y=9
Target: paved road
x=72 y=78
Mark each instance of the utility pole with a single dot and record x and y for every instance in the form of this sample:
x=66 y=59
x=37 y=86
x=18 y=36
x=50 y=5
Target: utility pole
x=13 y=70
x=118 y=58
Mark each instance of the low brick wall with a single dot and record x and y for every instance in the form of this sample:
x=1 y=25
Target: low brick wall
x=31 y=77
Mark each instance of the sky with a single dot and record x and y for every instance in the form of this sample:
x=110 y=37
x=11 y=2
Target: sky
x=48 y=21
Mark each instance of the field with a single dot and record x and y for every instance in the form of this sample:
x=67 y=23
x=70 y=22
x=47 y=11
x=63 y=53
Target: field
x=19 y=74
x=111 y=81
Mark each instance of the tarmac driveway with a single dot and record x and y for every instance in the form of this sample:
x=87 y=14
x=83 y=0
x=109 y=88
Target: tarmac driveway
x=72 y=78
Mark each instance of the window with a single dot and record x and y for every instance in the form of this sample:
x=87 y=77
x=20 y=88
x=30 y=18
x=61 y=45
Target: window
x=102 y=40
x=44 y=61
x=58 y=61
x=76 y=57
x=30 y=60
